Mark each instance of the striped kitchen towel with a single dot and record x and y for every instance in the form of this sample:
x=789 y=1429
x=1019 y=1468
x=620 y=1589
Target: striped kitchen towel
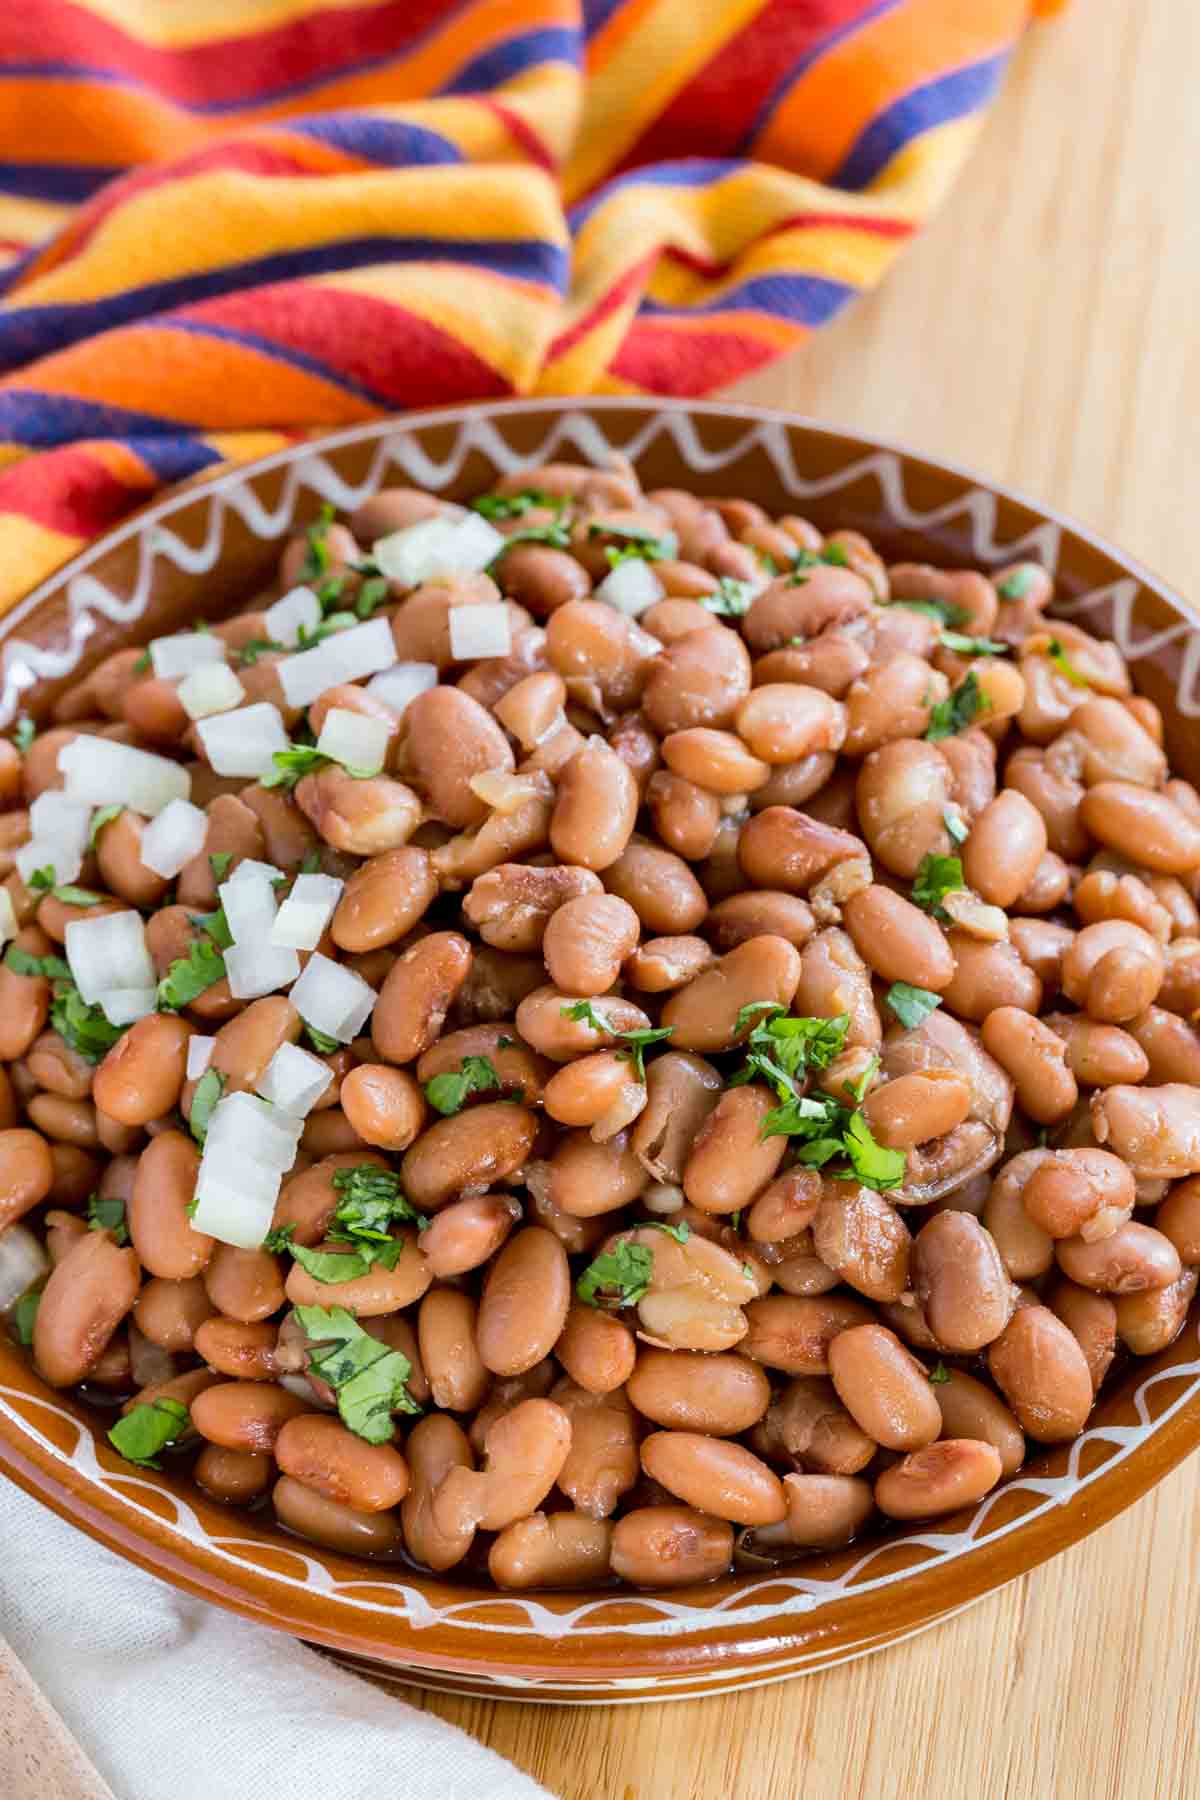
x=224 y=223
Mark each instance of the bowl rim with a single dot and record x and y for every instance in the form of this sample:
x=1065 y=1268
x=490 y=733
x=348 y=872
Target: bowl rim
x=152 y=1540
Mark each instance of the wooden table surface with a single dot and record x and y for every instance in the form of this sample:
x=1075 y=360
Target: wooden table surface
x=1044 y=331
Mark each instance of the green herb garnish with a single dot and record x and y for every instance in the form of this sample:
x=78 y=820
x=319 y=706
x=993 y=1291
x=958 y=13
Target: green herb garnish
x=732 y=599
x=22 y=963
x=936 y=877
x=373 y=592
x=636 y=1044
x=100 y=819
x=939 y=1374
x=515 y=506
x=316 y=556
x=322 y=1043
x=556 y=535
x=43 y=881
x=972 y=646
x=635 y=541
x=85 y=1028
x=190 y=976
x=209 y=1089
x=330 y=625
x=1014 y=586
x=370 y=1381
x=448 y=1093
x=910 y=1004
x=944 y=611
x=279 y=1240
x=219 y=864
x=1065 y=666
x=371 y=1202
x=251 y=651
x=148 y=1428
x=24 y=732
x=216 y=925
x=781 y=1049
x=23 y=1314
x=108 y=1215
x=298 y=760
x=617 y=1277
x=142 y=664
x=961 y=709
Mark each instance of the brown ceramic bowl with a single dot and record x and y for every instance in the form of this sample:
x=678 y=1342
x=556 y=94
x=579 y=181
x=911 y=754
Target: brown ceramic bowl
x=217 y=541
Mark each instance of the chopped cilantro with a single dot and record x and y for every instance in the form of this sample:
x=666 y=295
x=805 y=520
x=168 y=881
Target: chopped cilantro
x=330 y=625
x=190 y=976
x=515 y=506
x=216 y=925
x=556 y=535
x=373 y=592
x=370 y=1381
x=858 y=1089
x=24 y=733
x=142 y=664
x=322 y=1043
x=339 y=1265
x=732 y=598
x=958 y=832
x=1064 y=665
x=635 y=541
x=250 y=652
x=148 y=1428
x=84 y=1027
x=448 y=1093
x=22 y=963
x=911 y=1004
x=209 y=1089
x=936 y=877
x=23 y=1315
x=280 y=1240
x=636 y=1043
x=371 y=1201
x=835 y=554
x=972 y=646
x=583 y=1012
x=297 y=761
x=43 y=881
x=104 y=816
x=617 y=1277
x=316 y=556
x=961 y=709
x=939 y=1374
x=944 y=611
x=781 y=1049
x=311 y=864
x=219 y=864
x=108 y=1215
x=874 y=1164
x=1014 y=586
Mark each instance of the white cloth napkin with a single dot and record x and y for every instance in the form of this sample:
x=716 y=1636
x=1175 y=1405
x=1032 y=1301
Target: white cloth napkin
x=171 y=1696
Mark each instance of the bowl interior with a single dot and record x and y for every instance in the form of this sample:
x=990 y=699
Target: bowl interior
x=206 y=550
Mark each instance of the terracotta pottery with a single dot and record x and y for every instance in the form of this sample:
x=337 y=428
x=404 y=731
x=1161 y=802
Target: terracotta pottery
x=210 y=546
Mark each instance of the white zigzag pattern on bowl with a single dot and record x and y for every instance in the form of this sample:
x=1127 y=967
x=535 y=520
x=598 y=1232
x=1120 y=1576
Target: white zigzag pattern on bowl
x=663 y=1614
x=399 y=452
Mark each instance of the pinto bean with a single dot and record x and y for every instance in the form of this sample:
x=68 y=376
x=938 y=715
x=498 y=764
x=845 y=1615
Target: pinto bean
x=384 y=898
x=1038 y=1365
x=717 y=1477
x=970 y=1409
x=704 y=1015
x=897 y=940
x=1079 y=1191
x=731 y=1162
x=1156 y=1130
x=659 y=886
x=941 y=1478
x=794 y=1333
x=84 y=1300
x=1036 y=1058
x=595 y=810
x=670 y=1546
x=914 y=1108
x=1129 y=1260
x=960 y=1281
x=142 y=1076
x=884 y=1388
x=525 y=1301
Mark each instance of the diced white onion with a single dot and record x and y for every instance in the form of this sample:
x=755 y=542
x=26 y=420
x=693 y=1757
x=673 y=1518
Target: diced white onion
x=253 y=1128
x=108 y=953
x=479 y=631
x=397 y=687
x=108 y=774
x=199 y=1055
x=243 y=742
x=188 y=650
x=248 y=869
x=67 y=821
x=8 y=918
x=503 y=791
x=354 y=740
x=213 y=689
x=253 y=970
x=631 y=587
x=173 y=838
x=231 y=1214
x=22 y=1262
x=332 y=998
x=121 y=1006
x=298 y=610
x=306 y=912
x=48 y=853
x=346 y=656
x=250 y=906
x=438 y=546
x=294 y=1080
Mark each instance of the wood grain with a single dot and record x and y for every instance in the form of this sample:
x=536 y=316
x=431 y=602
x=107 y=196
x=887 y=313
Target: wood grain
x=1044 y=332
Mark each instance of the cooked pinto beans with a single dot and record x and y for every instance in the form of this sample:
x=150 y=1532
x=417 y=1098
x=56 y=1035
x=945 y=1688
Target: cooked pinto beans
x=638 y=1050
